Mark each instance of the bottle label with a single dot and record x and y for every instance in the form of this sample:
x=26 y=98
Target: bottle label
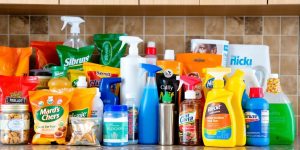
x=257 y=123
x=14 y=125
x=188 y=126
x=217 y=123
x=132 y=123
x=115 y=132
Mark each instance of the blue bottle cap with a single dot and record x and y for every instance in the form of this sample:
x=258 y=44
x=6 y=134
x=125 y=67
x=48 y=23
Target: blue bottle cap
x=115 y=108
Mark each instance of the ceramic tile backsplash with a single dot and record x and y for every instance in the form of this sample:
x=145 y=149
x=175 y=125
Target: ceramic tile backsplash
x=281 y=33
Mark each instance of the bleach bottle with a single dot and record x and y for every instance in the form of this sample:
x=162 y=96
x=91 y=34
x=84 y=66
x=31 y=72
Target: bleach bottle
x=148 y=127
x=74 y=40
x=107 y=96
x=257 y=118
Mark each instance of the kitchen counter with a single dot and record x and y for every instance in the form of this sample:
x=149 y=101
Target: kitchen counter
x=296 y=146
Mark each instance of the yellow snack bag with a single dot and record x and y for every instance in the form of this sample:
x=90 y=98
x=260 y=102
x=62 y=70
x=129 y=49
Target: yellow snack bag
x=50 y=112
x=73 y=76
x=82 y=102
x=14 y=61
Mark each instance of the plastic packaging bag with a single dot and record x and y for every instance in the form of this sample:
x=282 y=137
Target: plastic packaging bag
x=73 y=76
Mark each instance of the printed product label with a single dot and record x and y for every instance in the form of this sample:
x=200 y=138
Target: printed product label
x=106 y=53
x=217 y=123
x=167 y=85
x=257 y=123
x=115 y=132
x=80 y=113
x=15 y=125
x=132 y=123
x=15 y=98
x=188 y=124
x=49 y=113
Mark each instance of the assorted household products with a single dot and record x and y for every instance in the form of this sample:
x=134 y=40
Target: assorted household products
x=217 y=95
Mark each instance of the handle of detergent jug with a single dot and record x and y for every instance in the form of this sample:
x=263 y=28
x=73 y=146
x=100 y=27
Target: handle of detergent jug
x=262 y=75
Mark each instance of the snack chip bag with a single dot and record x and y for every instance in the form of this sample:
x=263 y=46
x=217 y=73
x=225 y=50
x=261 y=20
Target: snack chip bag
x=73 y=76
x=14 y=61
x=82 y=102
x=46 y=55
x=50 y=112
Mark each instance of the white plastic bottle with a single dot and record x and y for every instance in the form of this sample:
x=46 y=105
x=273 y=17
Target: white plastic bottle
x=97 y=112
x=81 y=82
x=151 y=57
x=133 y=76
x=74 y=40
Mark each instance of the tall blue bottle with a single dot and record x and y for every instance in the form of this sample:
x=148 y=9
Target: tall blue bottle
x=148 y=125
x=257 y=119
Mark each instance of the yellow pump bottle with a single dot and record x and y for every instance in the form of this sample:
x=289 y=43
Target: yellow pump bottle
x=236 y=85
x=219 y=125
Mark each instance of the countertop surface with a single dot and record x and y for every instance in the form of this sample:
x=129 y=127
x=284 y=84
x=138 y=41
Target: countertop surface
x=296 y=146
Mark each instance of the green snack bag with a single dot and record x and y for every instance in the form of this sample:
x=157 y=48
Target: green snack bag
x=110 y=49
x=74 y=58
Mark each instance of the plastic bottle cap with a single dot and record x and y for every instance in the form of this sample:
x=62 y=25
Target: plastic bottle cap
x=59 y=71
x=275 y=75
x=169 y=55
x=151 y=49
x=115 y=108
x=151 y=44
x=256 y=92
x=81 y=81
x=190 y=94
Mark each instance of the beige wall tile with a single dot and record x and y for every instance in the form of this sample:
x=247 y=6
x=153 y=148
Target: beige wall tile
x=114 y=25
x=57 y=38
x=175 y=42
x=253 y=39
x=38 y=24
x=271 y=26
x=4 y=40
x=214 y=37
x=253 y=25
x=289 y=44
x=39 y=37
x=154 y=25
x=214 y=25
x=275 y=63
x=159 y=43
x=19 y=25
x=94 y=25
x=89 y=38
x=290 y=25
x=194 y=26
x=55 y=25
x=235 y=25
x=134 y=25
x=235 y=39
x=289 y=84
x=174 y=26
x=19 y=40
x=4 y=24
x=273 y=42
x=288 y=65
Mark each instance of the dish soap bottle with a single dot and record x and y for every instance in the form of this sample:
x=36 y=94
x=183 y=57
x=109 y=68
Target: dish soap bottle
x=148 y=113
x=59 y=80
x=236 y=85
x=74 y=40
x=219 y=122
x=190 y=114
x=257 y=118
x=282 y=117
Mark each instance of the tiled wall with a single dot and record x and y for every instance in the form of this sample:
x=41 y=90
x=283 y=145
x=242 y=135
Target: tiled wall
x=280 y=33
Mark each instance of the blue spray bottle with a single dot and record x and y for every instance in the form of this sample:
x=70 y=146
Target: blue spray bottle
x=108 y=97
x=148 y=113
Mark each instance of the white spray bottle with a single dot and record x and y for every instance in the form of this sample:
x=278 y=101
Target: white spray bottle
x=74 y=40
x=133 y=76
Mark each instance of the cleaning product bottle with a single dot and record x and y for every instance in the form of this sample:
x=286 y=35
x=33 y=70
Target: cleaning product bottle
x=133 y=76
x=97 y=112
x=190 y=115
x=282 y=117
x=151 y=57
x=74 y=40
x=133 y=111
x=236 y=85
x=59 y=78
x=108 y=97
x=257 y=118
x=148 y=112
x=166 y=121
x=82 y=82
x=219 y=121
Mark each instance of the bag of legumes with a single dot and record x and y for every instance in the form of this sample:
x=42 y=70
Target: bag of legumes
x=50 y=112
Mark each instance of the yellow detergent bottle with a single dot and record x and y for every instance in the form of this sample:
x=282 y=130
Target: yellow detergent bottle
x=218 y=125
x=236 y=85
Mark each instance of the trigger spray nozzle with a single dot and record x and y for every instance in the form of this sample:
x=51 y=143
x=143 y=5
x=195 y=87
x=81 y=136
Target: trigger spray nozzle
x=133 y=42
x=190 y=82
x=73 y=21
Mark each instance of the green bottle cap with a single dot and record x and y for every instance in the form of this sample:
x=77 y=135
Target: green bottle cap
x=59 y=71
x=167 y=97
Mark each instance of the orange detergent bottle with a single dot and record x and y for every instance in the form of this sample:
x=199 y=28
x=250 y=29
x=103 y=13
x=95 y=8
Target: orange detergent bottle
x=59 y=80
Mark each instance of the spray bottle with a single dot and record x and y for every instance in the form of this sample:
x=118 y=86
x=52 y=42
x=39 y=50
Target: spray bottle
x=148 y=112
x=133 y=76
x=108 y=97
x=219 y=123
x=74 y=40
x=190 y=115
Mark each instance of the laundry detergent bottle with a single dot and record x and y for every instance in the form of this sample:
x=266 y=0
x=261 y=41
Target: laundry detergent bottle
x=219 y=122
x=148 y=127
x=282 y=117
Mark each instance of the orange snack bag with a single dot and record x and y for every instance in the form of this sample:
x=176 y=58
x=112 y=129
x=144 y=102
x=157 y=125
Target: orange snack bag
x=50 y=112
x=82 y=102
x=14 y=61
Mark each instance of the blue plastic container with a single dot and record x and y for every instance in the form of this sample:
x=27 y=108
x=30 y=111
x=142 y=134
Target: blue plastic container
x=115 y=125
x=257 y=119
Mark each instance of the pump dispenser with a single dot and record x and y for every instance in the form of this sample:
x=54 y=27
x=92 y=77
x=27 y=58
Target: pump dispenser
x=74 y=40
x=133 y=76
x=107 y=96
x=149 y=113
